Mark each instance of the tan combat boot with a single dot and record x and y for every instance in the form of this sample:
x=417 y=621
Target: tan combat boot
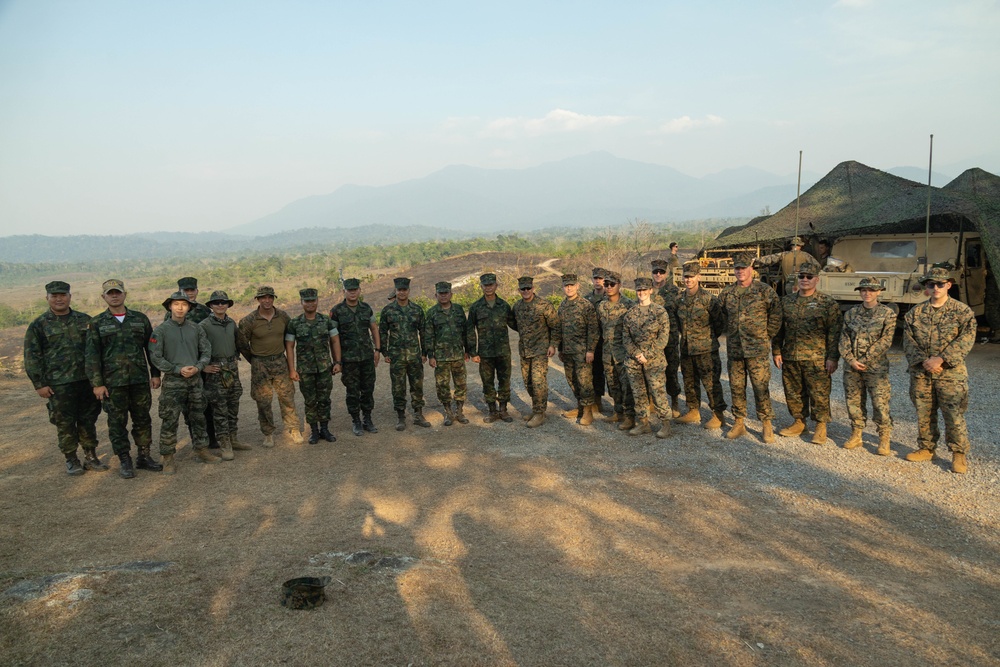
x=528 y=416
x=572 y=413
x=536 y=420
x=587 y=417
x=819 y=435
x=767 y=431
x=167 y=461
x=613 y=418
x=797 y=427
x=268 y=441
x=958 y=463
x=715 y=422
x=236 y=444
x=627 y=423
x=920 y=455
x=664 y=431
x=294 y=435
x=641 y=427
x=738 y=429
x=884 y=440
x=226 y=448
x=855 y=439
x=690 y=417
x=206 y=456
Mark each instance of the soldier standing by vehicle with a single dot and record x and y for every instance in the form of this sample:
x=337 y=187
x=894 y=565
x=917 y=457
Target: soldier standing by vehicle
x=264 y=330
x=807 y=350
x=537 y=325
x=489 y=344
x=578 y=333
x=788 y=263
x=864 y=345
x=702 y=321
x=665 y=293
x=119 y=370
x=645 y=331
x=180 y=349
x=753 y=317
x=610 y=311
x=447 y=350
x=221 y=376
x=310 y=341
x=54 y=360
x=359 y=346
x=594 y=297
x=937 y=336
x=401 y=329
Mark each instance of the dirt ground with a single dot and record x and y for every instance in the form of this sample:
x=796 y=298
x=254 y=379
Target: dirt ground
x=562 y=545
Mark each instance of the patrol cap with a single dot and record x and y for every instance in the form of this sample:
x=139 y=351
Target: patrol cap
x=308 y=294
x=570 y=279
x=935 y=275
x=643 y=283
x=658 y=264
x=797 y=241
x=599 y=273
x=525 y=281
x=352 y=283
x=809 y=267
x=187 y=282
x=111 y=285
x=744 y=260
x=57 y=287
x=692 y=269
x=401 y=283
x=488 y=279
x=219 y=296
x=265 y=290
x=176 y=296
x=442 y=287
x=613 y=277
x=870 y=282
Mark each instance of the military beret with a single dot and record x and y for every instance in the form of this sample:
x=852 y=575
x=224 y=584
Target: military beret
x=643 y=283
x=308 y=294
x=401 y=283
x=112 y=284
x=659 y=264
x=871 y=283
x=488 y=279
x=187 y=283
x=599 y=273
x=937 y=274
x=265 y=290
x=569 y=279
x=57 y=287
x=176 y=296
x=219 y=296
x=744 y=260
x=525 y=281
x=613 y=277
x=442 y=287
x=692 y=269
x=352 y=283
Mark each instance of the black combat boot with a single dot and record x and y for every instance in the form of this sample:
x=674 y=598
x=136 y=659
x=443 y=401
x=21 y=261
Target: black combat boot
x=418 y=418
x=73 y=465
x=368 y=424
x=356 y=426
x=313 y=434
x=400 y=420
x=503 y=413
x=91 y=462
x=145 y=462
x=324 y=432
x=459 y=414
x=448 y=416
x=126 y=471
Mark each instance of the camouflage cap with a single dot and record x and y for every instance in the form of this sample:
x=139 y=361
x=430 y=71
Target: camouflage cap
x=809 y=267
x=111 y=285
x=599 y=273
x=937 y=274
x=488 y=279
x=442 y=287
x=744 y=260
x=352 y=283
x=797 y=241
x=570 y=279
x=525 y=281
x=308 y=294
x=692 y=269
x=870 y=282
x=613 y=277
x=176 y=296
x=57 y=287
x=658 y=264
x=265 y=290
x=643 y=283
x=401 y=283
x=219 y=296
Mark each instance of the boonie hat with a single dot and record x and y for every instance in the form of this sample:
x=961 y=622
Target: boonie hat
x=937 y=274
x=797 y=241
x=870 y=283
x=219 y=296
x=176 y=296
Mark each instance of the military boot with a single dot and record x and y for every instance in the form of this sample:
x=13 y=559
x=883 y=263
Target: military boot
x=738 y=429
x=715 y=422
x=268 y=441
x=920 y=455
x=460 y=413
x=819 y=435
x=855 y=439
x=627 y=423
x=884 y=440
x=206 y=456
x=294 y=435
x=73 y=465
x=92 y=462
x=356 y=427
x=235 y=443
x=400 y=420
x=367 y=422
x=313 y=434
x=572 y=413
x=613 y=418
x=226 y=447
x=537 y=419
x=690 y=417
x=767 y=431
x=675 y=407
x=144 y=460
x=958 y=464
x=504 y=415
x=418 y=418
x=641 y=427
x=494 y=414
x=664 y=430
x=126 y=470
x=797 y=427
x=324 y=432
x=169 y=467
x=587 y=415
x=449 y=417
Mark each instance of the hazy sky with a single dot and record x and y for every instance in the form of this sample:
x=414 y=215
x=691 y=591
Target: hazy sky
x=152 y=115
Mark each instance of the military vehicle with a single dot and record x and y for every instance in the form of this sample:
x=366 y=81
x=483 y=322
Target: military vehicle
x=717 y=268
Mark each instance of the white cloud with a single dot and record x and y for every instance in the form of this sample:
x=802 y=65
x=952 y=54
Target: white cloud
x=687 y=123
x=557 y=120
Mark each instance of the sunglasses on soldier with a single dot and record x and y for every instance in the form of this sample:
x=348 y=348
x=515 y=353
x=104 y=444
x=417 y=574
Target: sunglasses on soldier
x=806 y=276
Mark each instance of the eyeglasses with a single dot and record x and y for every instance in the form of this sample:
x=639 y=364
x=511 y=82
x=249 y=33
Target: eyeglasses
x=935 y=285
x=610 y=283
x=655 y=271
x=525 y=289
x=806 y=276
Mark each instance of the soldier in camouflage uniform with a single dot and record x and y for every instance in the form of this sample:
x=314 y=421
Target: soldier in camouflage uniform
x=359 y=345
x=198 y=314
x=447 y=350
x=937 y=336
x=645 y=332
x=221 y=377
x=702 y=321
x=54 y=351
x=665 y=293
x=401 y=328
x=180 y=349
x=312 y=347
x=807 y=350
x=753 y=317
x=537 y=325
x=578 y=332
x=119 y=370
x=489 y=345
x=610 y=311
x=865 y=340
x=594 y=297
x=788 y=263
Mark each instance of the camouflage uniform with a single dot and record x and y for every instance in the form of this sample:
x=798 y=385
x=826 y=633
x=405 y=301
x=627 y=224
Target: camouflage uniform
x=489 y=339
x=447 y=343
x=609 y=317
x=866 y=338
x=578 y=332
x=808 y=338
x=269 y=373
x=223 y=390
x=701 y=322
x=646 y=330
x=171 y=347
x=118 y=358
x=948 y=332
x=753 y=317
x=401 y=331
x=54 y=356
x=599 y=378
x=313 y=363
x=788 y=263
x=537 y=325
x=358 y=354
x=667 y=297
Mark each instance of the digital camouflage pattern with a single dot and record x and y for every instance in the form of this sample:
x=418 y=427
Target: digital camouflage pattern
x=537 y=325
x=600 y=381
x=866 y=338
x=578 y=328
x=223 y=391
x=609 y=317
x=753 y=318
x=701 y=321
x=758 y=370
x=645 y=331
x=808 y=338
x=948 y=332
x=401 y=330
x=535 y=373
x=667 y=297
x=181 y=395
x=446 y=339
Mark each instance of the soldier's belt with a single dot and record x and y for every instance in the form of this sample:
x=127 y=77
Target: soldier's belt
x=270 y=357
x=226 y=360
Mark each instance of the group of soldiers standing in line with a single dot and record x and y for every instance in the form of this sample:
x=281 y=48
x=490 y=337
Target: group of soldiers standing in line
x=604 y=339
